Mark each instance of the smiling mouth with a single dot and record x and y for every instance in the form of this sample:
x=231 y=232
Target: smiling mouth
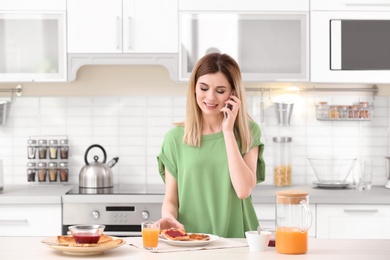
x=210 y=105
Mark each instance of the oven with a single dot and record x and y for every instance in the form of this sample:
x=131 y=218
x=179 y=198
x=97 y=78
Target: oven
x=120 y=210
x=350 y=41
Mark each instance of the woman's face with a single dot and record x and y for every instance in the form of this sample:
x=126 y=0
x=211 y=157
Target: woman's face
x=212 y=90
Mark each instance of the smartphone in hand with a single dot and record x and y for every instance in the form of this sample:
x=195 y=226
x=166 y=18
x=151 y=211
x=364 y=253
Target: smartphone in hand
x=228 y=105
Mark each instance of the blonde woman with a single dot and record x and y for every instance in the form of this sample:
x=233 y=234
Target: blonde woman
x=211 y=162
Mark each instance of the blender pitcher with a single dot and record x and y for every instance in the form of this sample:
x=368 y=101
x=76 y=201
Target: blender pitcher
x=293 y=220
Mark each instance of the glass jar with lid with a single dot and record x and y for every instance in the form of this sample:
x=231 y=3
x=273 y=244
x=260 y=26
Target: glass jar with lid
x=64 y=171
x=293 y=220
x=31 y=148
x=282 y=161
x=64 y=149
x=42 y=171
x=31 y=171
x=42 y=148
x=53 y=149
x=53 y=171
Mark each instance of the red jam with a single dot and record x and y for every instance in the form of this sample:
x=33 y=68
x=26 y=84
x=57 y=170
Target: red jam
x=175 y=233
x=86 y=238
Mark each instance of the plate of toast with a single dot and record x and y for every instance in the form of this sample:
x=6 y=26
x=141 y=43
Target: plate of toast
x=68 y=245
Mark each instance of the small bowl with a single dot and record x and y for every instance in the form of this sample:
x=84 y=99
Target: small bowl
x=256 y=241
x=87 y=234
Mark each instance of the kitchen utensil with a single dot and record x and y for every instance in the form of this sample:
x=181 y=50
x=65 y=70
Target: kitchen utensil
x=332 y=171
x=283 y=112
x=293 y=220
x=388 y=172
x=97 y=174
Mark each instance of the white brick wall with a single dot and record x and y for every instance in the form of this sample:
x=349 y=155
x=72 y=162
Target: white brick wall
x=133 y=128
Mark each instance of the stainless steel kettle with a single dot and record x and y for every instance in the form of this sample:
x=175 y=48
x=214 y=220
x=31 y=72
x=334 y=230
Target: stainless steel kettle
x=97 y=174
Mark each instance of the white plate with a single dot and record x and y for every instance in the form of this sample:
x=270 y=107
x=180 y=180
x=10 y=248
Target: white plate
x=190 y=242
x=72 y=250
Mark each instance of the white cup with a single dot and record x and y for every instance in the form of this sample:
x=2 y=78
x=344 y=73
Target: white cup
x=256 y=241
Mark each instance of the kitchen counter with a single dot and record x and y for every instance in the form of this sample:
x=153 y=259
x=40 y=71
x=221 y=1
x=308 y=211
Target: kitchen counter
x=377 y=195
x=49 y=194
x=25 y=248
x=26 y=194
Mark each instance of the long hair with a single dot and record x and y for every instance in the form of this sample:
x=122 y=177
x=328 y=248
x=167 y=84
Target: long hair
x=210 y=64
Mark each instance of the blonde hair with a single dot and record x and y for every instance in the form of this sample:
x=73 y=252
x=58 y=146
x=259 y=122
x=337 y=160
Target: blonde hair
x=210 y=64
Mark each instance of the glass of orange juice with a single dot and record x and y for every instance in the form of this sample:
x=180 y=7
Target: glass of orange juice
x=150 y=234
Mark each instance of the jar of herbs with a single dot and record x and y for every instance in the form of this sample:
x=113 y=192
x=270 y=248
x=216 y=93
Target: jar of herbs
x=64 y=149
x=53 y=171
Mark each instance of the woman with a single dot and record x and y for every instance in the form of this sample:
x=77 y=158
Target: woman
x=212 y=161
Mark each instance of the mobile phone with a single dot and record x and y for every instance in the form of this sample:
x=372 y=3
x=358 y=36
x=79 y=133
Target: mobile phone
x=228 y=105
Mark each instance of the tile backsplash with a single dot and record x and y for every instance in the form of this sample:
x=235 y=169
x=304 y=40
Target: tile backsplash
x=133 y=128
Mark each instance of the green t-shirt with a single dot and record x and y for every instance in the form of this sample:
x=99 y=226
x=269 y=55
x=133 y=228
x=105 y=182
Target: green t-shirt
x=207 y=200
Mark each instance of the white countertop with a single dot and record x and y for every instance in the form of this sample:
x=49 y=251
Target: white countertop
x=53 y=194
x=36 y=194
x=26 y=248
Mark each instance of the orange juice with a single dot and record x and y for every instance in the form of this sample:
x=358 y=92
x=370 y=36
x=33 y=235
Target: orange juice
x=150 y=237
x=291 y=240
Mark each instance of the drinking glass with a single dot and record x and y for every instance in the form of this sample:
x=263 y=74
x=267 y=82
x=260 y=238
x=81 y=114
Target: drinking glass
x=150 y=234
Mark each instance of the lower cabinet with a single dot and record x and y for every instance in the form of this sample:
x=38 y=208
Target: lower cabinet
x=266 y=214
x=30 y=220
x=353 y=221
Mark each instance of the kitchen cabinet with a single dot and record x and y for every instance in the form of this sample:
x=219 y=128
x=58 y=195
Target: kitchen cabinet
x=268 y=40
x=122 y=26
x=30 y=220
x=353 y=221
x=33 y=42
x=267 y=217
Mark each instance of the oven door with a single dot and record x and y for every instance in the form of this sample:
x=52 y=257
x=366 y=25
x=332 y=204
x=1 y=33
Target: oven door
x=351 y=47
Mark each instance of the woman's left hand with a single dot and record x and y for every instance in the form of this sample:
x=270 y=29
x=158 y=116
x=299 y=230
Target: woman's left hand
x=230 y=114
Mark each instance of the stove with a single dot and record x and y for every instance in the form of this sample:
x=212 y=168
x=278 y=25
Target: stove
x=121 y=208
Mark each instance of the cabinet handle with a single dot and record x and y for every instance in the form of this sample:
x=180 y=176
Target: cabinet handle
x=366 y=5
x=13 y=221
x=360 y=210
x=118 y=32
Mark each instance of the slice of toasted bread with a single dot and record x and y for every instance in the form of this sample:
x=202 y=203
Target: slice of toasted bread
x=175 y=234
x=70 y=241
x=197 y=236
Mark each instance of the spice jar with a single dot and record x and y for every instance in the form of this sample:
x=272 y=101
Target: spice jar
x=64 y=171
x=343 y=112
x=364 y=110
x=31 y=149
x=282 y=161
x=42 y=171
x=31 y=171
x=64 y=149
x=53 y=171
x=322 y=110
x=333 y=112
x=354 y=112
x=42 y=149
x=53 y=148
x=293 y=220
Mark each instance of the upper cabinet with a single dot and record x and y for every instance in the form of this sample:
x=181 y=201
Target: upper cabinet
x=122 y=26
x=268 y=39
x=33 y=42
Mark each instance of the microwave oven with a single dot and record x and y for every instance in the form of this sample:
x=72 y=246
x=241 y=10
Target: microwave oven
x=350 y=46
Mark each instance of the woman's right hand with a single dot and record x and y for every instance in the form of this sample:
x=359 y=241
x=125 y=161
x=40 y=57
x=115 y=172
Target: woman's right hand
x=166 y=223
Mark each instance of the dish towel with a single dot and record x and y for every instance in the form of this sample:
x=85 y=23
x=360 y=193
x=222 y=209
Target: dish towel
x=163 y=247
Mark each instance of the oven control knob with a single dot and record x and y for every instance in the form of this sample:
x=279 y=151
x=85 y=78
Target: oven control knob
x=95 y=214
x=144 y=214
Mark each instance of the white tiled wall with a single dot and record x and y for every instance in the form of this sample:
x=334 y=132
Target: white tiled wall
x=132 y=128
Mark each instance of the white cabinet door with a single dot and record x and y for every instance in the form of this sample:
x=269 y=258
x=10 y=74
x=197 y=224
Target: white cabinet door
x=266 y=214
x=94 y=26
x=353 y=221
x=30 y=220
x=116 y=26
x=150 y=26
